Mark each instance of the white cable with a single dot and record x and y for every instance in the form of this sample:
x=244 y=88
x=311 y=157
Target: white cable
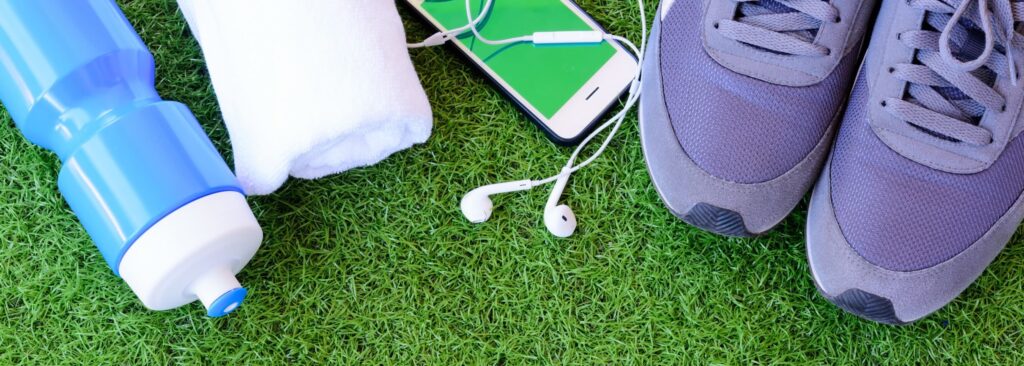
x=569 y=37
x=476 y=32
x=539 y=38
x=441 y=38
x=618 y=118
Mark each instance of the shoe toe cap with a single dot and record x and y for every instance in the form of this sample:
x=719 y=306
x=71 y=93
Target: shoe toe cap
x=893 y=296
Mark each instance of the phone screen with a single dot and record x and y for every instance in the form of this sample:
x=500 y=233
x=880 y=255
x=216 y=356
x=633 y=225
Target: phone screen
x=546 y=77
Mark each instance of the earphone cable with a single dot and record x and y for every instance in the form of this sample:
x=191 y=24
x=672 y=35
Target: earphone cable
x=618 y=118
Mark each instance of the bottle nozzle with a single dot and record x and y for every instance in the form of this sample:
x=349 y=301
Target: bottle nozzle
x=219 y=292
x=194 y=252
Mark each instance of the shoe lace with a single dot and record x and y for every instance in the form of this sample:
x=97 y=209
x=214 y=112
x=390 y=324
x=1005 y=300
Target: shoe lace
x=782 y=26
x=951 y=84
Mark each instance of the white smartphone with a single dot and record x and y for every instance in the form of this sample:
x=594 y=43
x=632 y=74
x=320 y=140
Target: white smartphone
x=565 y=89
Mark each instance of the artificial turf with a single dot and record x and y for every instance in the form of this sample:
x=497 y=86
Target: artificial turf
x=377 y=265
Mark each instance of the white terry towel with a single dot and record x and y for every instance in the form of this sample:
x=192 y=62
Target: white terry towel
x=309 y=88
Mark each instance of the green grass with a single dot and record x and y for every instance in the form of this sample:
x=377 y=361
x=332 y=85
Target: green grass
x=377 y=266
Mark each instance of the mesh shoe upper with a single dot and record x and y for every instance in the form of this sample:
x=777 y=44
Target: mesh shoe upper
x=904 y=216
x=735 y=127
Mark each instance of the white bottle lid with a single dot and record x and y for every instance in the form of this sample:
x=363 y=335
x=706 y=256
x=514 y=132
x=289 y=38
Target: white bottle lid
x=194 y=253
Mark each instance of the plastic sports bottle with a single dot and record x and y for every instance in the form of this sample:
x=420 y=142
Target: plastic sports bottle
x=141 y=175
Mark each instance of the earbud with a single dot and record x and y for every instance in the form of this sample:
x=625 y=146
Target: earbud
x=559 y=219
x=477 y=206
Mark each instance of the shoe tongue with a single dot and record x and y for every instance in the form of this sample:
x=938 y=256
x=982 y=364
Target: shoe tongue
x=970 y=48
x=763 y=7
x=771 y=5
x=975 y=43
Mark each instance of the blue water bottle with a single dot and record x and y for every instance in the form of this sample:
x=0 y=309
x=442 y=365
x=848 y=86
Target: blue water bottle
x=141 y=175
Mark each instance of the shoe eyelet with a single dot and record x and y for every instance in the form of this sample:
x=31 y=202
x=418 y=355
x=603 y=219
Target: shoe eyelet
x=884 y=104
x=1003 y=108
x=892 y=69
x=715 y=25
x=838 y=19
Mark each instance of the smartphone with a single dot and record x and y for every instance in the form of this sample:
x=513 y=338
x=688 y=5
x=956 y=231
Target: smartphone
x=565 y=89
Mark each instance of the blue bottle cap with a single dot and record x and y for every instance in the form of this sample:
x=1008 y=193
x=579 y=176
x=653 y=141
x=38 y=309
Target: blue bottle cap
x=226 y=303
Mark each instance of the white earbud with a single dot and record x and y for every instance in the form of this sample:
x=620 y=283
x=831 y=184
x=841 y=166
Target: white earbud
x=477 y=206
x=559 y=219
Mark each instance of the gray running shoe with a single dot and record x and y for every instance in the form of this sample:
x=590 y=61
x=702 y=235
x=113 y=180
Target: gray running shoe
x=740 y=101
x=923 y=187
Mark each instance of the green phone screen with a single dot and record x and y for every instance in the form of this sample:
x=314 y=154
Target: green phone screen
x=546 y=76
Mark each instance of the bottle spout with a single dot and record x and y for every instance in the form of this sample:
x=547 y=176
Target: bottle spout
x=219 y=291
x=194 y=253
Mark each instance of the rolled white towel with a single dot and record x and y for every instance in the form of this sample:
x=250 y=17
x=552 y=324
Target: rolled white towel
x=309 y=88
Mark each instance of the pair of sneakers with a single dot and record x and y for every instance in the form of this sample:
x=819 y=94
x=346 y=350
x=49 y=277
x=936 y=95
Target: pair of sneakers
x=916 y=154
